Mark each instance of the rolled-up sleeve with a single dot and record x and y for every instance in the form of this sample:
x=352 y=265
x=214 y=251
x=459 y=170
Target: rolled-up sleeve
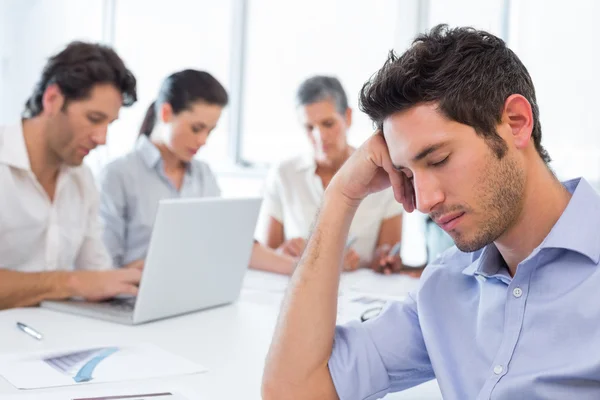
x=385 y=354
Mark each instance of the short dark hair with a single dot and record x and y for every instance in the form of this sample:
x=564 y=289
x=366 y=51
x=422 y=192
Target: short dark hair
x=468 y=72
x=181 y=90
x=77 y=69
x=318 y=88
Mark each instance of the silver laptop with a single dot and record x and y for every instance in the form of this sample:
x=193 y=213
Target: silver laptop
x=198 y=255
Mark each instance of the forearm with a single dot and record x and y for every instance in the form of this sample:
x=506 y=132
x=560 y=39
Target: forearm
x=303 y=339
x=267 y=259
x=22 y=289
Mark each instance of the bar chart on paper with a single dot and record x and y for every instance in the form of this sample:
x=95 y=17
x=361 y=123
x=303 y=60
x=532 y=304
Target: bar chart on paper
x=80 y=365
x=94 y=364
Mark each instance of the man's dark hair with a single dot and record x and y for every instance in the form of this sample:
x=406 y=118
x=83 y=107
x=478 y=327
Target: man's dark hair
x=77 y=69
x=318 y=88
x=467 y=72
x=181 y=90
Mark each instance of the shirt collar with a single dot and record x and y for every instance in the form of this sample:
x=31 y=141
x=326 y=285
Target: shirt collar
x=489 y=264
x=147 y=151
x=575 y=230
x=307 y=162
x=13 y=151
x=151 y=155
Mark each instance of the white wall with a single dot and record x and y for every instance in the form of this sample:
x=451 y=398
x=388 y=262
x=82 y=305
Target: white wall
x=291 y=41
x=558 y=43
x=33 y=30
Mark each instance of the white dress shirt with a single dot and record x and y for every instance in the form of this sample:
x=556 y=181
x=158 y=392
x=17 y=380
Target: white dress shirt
x=37 y=234
x=293 y=195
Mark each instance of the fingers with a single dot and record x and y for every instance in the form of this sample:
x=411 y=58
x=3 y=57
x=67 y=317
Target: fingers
x=301 y=244
x=296 y=246
x=409 y=194
x=389 y=265
x=130 y=275
x=137 y=264
x=396 y=264
x=401 y=185
x=287 y=250
x=129 y=290
x=351 y=260
x=293 y=250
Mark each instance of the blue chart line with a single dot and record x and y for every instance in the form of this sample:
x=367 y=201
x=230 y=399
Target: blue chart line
x=80 y=365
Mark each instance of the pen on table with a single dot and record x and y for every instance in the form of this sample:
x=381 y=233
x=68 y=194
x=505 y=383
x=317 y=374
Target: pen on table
x=30 y=331
x=394 y=251
x=350 y=241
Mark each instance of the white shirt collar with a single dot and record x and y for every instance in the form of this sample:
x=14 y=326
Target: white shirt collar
x=13 y=151
x=306 y=162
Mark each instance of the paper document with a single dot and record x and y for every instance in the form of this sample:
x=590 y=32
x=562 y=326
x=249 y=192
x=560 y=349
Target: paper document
x=78 y=366
x=143 y=396
x=395 y=286
x=363 y=280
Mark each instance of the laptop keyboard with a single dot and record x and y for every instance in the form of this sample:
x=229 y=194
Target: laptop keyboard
x=122 y=304
x=117 y=307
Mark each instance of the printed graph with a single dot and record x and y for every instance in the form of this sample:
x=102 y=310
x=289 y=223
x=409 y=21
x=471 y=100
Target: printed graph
x=80 y=365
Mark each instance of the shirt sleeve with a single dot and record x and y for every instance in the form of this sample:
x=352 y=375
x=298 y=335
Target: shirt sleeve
x=385 y=354
x=271 y=205
x=391 y=207
x=113 y=212
x=92 y=254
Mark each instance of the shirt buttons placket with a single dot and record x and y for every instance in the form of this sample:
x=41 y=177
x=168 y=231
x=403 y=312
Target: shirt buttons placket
x=517 y=292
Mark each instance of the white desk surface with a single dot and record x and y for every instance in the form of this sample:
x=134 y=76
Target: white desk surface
x=231 y=341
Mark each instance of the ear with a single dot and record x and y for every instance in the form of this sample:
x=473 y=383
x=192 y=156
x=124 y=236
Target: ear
x=166 y=113
x=348 y=117
x=519 y=116
x=52 y=100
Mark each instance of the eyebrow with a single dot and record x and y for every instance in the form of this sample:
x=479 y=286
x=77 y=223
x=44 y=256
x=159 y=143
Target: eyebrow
x=202 y=125
x=423 y=153
x=100 y=114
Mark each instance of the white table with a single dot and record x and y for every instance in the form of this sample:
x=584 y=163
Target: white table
x=231 y=341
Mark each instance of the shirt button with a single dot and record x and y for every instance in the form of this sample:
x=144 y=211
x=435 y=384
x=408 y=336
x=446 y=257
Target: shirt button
x=517 y=292
x=498 y=369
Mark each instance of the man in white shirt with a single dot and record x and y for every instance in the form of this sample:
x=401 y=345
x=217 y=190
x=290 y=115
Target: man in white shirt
x=50 y=237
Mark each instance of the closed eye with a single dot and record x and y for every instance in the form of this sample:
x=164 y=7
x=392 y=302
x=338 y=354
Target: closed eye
x=95 y=120
x=440 y=163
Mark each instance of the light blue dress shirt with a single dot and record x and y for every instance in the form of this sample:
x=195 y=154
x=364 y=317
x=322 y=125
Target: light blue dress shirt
x=130 y=190
x=485 y=335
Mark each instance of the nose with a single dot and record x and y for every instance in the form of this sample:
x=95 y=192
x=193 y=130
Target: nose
x=316 y=135
x=201 y=140
x=99 y=136
x=428 y=192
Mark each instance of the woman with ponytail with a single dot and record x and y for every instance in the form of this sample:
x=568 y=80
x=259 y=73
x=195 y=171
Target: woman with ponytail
x=162 y=166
